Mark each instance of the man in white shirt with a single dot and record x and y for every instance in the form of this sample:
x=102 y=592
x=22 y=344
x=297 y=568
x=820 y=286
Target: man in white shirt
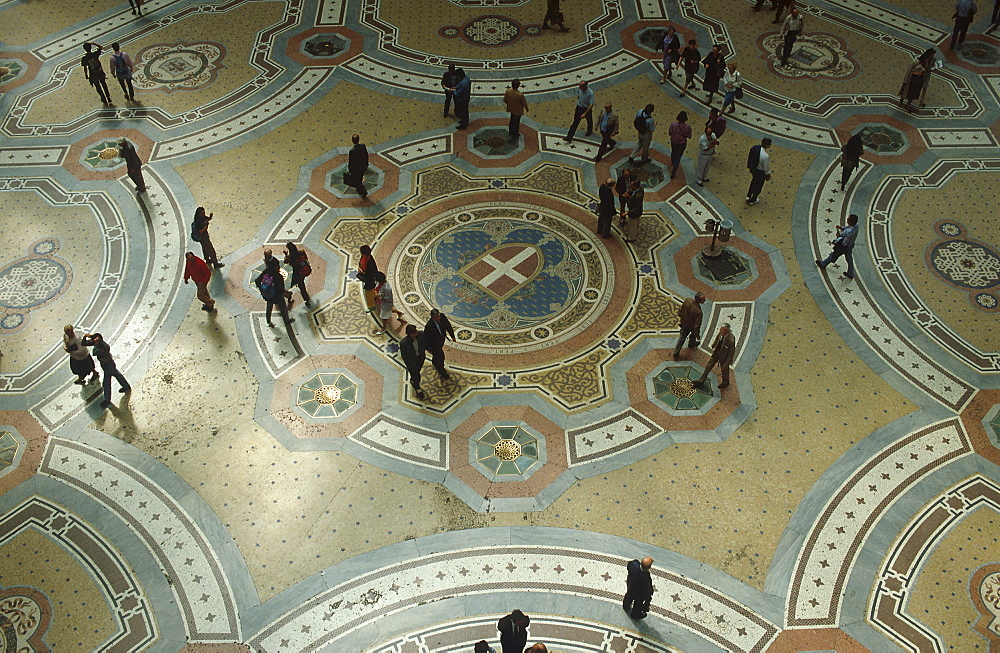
x=759 y=165
x=706 y=150
x=790 y=30
x=584 y=110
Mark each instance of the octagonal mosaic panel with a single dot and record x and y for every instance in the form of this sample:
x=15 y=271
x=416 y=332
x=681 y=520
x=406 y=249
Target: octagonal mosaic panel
x=495 y=142
x=335 y=181
x=327 y=395
x=103 y=155
x=506 y=453
x=883 y=139
x=322 y=46
x=652 y=173
x=674 y=388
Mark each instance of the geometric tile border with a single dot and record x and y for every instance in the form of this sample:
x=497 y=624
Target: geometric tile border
x=856 y=303
x=180 y=547
x=900 y=571
x=835 y=541
x=548 y=571
x=884 y=257
x=124 y=596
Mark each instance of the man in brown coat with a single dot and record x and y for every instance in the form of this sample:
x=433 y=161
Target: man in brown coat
x=690 y=314
x=517 y=106
x=723 y=351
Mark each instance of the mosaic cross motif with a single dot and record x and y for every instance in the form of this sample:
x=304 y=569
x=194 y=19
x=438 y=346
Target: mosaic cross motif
x=504 y=270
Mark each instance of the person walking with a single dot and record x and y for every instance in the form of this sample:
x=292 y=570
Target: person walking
x=622 y=187
x=271 y=285
x=198 y=271
x=517 y=106
x=732 y=82
x=554 y=15
x=357 y=166
x=715 y=68
x=638 y=588
x=367 y=268
x=843 y=245
x=691 y=61
x=916 y=79
x=606 y=208
x=463 y=95
x=199 y=233
x=448 y=82
x=299 y=262
x=965 y=13
x=791 y=29
x=584 y=108
x=133 y=164
x=93 y=71
x=513 y=632
x=679 y=132
x=436 y=332
x=644 y=127
x=102 y=350
x=411 y=348
x=384 y=302
x=759 y=165
x=635 y=207
x=122 y=68
x=723 y=352
x=608 y=126
x=850 y=158
x=706 y=150
x=81 y=362
x=136 y=6
x=482 y=646
x=690 y=322
x=671 y=46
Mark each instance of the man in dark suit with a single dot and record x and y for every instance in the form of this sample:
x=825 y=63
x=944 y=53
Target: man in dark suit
x=513 y=632
x=411 y=348
x=357 y=166
x=606 y=211
x=639 y=588
x=436 y=331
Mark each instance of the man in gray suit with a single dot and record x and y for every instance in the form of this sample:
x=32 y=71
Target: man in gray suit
x=723 y=352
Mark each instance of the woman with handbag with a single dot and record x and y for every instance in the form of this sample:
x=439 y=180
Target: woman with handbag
x=733 y=83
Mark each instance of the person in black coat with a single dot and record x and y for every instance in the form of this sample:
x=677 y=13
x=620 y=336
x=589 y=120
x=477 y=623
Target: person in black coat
x=357 y=166
x=606 y=211
x=639 y=588
x=436 y=331
x=411 y=348
x=513 y=632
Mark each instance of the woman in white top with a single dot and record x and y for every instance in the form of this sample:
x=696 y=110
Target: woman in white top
x=733 y=84
x=384 y=302
x=80 y=360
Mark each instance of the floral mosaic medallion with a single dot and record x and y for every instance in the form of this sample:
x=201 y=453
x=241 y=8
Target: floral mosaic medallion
x=490 y=31
x=32 y=282
x=103 y=155
x=178 y=66
x=979 y=53
x=24 y=619
x=966 y=263
x=674 y=388
x=814 y=56
x=517 y=277
x=327 y=395
x=506 y=453
x=494 y=142
x=10 y=69
x=883 y=139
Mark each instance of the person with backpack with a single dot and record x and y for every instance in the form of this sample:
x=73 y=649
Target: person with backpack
x=199 y=233
x=644 y=126
x=121 y=68
x=299 y=262
x=759 y=165
x=271 y=285
x=93 y=71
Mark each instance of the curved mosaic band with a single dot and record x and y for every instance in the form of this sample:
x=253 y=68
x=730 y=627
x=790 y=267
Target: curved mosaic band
x=125 y=597
x=322 y=620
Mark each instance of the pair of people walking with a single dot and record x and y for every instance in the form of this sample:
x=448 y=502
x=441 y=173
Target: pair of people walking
x=415 y=344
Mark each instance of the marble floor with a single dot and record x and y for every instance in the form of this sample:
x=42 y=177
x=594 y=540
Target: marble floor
x=276 y=489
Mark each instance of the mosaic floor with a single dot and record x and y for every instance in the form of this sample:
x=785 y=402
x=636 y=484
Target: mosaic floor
x=269 y=489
